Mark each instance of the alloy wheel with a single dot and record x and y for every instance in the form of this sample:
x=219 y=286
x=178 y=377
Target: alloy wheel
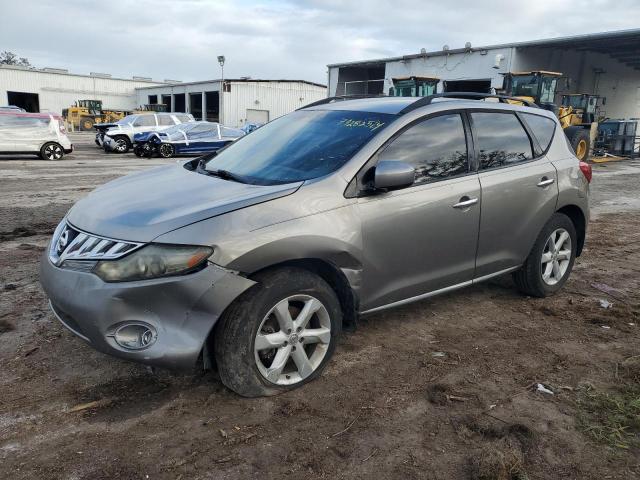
x=292 y=340
x=121 y=145
x=53 y=152
x=556 y=256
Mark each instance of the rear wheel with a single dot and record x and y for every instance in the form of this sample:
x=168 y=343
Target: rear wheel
x=166 y=150
x=278 y=335
x=551 y=259
x=51 y=151
x=580 y=141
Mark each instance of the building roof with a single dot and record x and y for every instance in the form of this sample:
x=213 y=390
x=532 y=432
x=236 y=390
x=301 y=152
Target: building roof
x=217 y=80
x=623 y=45
x=61 y=71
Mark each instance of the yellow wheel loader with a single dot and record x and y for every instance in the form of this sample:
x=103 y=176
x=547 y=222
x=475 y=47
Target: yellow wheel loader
x=84 y=114
x=578 y=113
x=413 y=86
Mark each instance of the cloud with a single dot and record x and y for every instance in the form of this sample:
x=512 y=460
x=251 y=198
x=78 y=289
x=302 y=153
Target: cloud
x=277 y=39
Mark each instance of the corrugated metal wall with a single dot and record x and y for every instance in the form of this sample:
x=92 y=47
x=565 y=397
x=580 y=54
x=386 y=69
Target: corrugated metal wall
x=58 y=90
x=278 y=98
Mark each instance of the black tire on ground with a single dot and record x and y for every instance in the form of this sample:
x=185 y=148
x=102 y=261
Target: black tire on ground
x=123 y=144
x=166 y=150
x=529 y=278
x=138 y=151
x=235 y=333
x=580 y=142
x=51 y=151
x=86 y=124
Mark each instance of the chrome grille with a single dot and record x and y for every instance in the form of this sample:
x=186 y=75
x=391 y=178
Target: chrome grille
x=69 y=246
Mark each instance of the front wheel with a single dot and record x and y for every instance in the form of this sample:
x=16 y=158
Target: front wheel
x=580 y=141
x=278 y=335
x=551 y=259
x=51 y=151
x=122 y=144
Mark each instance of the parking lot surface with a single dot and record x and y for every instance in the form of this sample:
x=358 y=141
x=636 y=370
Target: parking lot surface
x=445 y=388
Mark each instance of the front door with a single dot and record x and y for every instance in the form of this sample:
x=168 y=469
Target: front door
x=422 y=238
x=519 y=190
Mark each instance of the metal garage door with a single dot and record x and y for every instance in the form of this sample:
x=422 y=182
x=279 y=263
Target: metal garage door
x=257 y=116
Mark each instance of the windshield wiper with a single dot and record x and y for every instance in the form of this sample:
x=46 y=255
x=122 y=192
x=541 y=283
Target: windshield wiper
x=226 y=175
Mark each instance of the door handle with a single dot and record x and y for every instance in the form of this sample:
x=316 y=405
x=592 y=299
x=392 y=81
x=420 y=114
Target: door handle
x=545 y=182
x=465 y=202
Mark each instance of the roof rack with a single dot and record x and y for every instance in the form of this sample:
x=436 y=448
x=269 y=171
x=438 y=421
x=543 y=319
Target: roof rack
x=424 y=101
x=338 y=98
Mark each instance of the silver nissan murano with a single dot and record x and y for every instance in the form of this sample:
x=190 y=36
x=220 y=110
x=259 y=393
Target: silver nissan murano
x=254 y=258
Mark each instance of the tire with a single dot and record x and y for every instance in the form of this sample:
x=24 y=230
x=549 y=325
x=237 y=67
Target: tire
x=138 y=151
x=539 y=279
x=86 y=124
x=244 y=369
x=166 y=150
x=580 y=142
x=123 y=144
x=51 y=151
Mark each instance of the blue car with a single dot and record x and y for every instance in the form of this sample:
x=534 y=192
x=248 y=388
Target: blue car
x=193 y=138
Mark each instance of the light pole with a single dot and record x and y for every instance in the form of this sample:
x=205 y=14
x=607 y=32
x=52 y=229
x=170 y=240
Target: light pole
x=221 y=60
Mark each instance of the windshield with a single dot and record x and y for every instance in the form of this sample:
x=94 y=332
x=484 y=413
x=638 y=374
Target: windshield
x=524 y=86
x=126 y=120
x=299 y=146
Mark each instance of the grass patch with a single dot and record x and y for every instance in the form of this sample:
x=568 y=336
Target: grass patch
x=611 y=418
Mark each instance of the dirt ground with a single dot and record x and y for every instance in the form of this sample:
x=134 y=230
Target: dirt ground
x=440 y=389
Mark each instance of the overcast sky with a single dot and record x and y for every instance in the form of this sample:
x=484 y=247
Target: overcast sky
x=180 y=39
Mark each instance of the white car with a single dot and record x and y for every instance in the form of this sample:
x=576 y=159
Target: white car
x=118 y=137
x=42 y=134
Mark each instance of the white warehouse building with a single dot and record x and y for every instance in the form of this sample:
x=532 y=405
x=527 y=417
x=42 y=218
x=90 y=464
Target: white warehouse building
x=53 y=89
x=605 y=64
x=234 y=102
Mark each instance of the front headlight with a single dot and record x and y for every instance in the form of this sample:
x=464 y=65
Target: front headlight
x=153 y=261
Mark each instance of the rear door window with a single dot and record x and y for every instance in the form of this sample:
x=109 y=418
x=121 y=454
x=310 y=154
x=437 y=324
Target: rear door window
x=542 y=128
x=436 y=148
x=500 y=139
x=145 y=121
x=165 y=120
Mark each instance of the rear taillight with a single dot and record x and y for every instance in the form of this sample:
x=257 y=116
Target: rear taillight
x=585 y=168
x=61 y=127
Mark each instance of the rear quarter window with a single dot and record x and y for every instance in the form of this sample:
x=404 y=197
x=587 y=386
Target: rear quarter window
x=501 y=139
x=542 y=128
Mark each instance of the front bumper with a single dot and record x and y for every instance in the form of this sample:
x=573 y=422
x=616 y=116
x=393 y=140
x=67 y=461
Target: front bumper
x=182 y=310
x=108 y=143
x=99 y=139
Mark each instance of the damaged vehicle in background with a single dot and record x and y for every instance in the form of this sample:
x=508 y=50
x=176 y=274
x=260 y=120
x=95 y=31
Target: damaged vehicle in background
x=186 y=139
x=118 y=137
x=42 y=134
x=254 y=257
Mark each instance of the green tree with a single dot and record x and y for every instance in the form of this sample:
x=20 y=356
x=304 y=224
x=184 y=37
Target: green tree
x=10 y=58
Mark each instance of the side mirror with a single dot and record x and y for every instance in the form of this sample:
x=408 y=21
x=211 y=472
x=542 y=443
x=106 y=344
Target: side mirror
x=390 y=174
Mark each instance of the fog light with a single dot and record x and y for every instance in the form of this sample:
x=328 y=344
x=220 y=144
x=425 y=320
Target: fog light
x=134 y=336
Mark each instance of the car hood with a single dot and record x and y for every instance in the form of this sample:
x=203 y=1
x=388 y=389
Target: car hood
x=144 y=205
x=144 y=136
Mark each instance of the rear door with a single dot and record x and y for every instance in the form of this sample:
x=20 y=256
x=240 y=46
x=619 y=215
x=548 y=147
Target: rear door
x=30 y=133
x=519 y=189
x=422 y=238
